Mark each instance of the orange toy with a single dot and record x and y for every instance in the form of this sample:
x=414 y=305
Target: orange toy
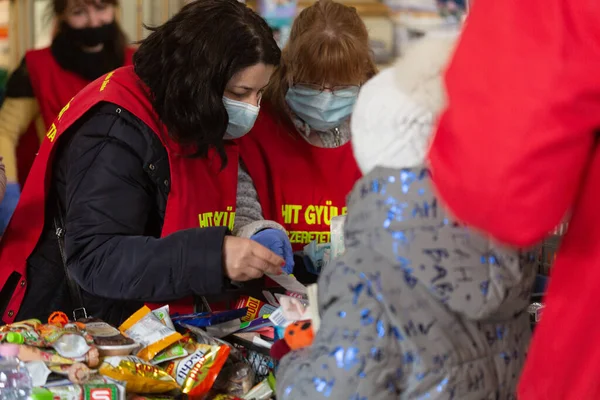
x=58 y=318
x=298 y=335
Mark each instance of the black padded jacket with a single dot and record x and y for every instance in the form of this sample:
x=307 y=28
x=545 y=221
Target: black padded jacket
x=111 y=177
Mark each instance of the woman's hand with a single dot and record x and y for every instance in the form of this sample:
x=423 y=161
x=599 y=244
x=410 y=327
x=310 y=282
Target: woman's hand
x=245 y=259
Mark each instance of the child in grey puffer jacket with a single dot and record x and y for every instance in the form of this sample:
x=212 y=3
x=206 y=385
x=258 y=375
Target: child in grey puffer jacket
x=418 y=307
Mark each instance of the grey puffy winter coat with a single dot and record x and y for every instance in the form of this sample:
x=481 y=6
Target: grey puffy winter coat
x=417 y=308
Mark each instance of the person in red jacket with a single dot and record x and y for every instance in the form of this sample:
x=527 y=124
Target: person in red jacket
x=516 y=152
x=132 y=196
x=297 y=162
x=88 y=42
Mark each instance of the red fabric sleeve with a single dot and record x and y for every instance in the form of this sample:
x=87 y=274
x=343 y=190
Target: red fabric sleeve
x=523 y=107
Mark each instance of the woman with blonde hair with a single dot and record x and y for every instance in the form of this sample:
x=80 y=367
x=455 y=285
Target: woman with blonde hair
x=418 y=306
x=297 y=163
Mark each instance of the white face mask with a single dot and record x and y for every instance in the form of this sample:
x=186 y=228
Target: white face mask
x=241 y=117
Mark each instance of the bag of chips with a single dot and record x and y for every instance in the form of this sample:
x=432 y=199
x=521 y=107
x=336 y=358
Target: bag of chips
x=197 y=372
x=139 y=375
x=146 y=329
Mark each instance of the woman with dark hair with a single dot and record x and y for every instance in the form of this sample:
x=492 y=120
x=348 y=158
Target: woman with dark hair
x=88 y=44
x=298 y=165
x=137 y=177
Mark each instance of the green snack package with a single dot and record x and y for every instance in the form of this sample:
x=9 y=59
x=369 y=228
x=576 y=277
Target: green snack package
x=172 y=352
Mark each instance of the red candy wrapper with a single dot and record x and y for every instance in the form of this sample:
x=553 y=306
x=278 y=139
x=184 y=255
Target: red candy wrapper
x=256 y=308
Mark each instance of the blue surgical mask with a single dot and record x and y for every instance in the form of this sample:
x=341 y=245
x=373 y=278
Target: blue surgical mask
x=321 y=110
x=241 y=117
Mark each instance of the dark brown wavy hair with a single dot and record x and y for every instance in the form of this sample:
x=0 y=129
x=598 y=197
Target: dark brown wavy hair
x=188 y=61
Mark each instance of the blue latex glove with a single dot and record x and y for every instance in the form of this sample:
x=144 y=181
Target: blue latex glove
x=278 y=242
x=8 y=205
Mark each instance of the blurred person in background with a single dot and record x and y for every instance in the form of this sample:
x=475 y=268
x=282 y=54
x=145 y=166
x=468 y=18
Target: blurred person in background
x=87 y=44
x=418 y=307
x=516 y=151
x=131 y=198
x=296 y=164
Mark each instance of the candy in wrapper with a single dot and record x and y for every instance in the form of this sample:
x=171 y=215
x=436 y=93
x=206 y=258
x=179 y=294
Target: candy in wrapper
x=235 y=379
x=197 y=372
x=163 y=315
x=104 y=391
x=172 y=352
x=256 y=308
x=319 y=254
x=67 y=392
x=39 y=372
x=29 y=353
x=71 y=346
x=209 y=318
x=145 y=328
x=262 y=391
x=103 y=333
x=27 y=329
x=78 y=373
x=69 y=341
x=337 y=236
x=139 y=375
x=52 y=333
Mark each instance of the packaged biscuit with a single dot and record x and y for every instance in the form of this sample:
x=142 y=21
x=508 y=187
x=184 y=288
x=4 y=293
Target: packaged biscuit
x=146 y=329
x=197 y=372
x=138 y=375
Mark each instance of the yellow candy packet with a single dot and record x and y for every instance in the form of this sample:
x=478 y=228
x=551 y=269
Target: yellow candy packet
x=146 y=328
x=197 y=372
x=138 y=375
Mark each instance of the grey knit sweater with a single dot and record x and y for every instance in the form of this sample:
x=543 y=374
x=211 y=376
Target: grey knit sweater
x=248 y=215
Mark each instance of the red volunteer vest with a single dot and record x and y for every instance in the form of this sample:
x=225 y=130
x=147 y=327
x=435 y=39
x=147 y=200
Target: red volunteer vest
x=53 y=87
x=188 y=204
x=299 y=185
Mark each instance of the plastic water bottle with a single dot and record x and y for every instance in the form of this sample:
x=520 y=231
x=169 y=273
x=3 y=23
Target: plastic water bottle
x=15 y=382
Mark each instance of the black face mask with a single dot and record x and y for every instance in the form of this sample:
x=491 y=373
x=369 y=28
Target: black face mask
x=90 y=37
x=67 y=50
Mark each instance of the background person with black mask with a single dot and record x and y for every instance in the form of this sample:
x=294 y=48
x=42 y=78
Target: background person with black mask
x=88 y=43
